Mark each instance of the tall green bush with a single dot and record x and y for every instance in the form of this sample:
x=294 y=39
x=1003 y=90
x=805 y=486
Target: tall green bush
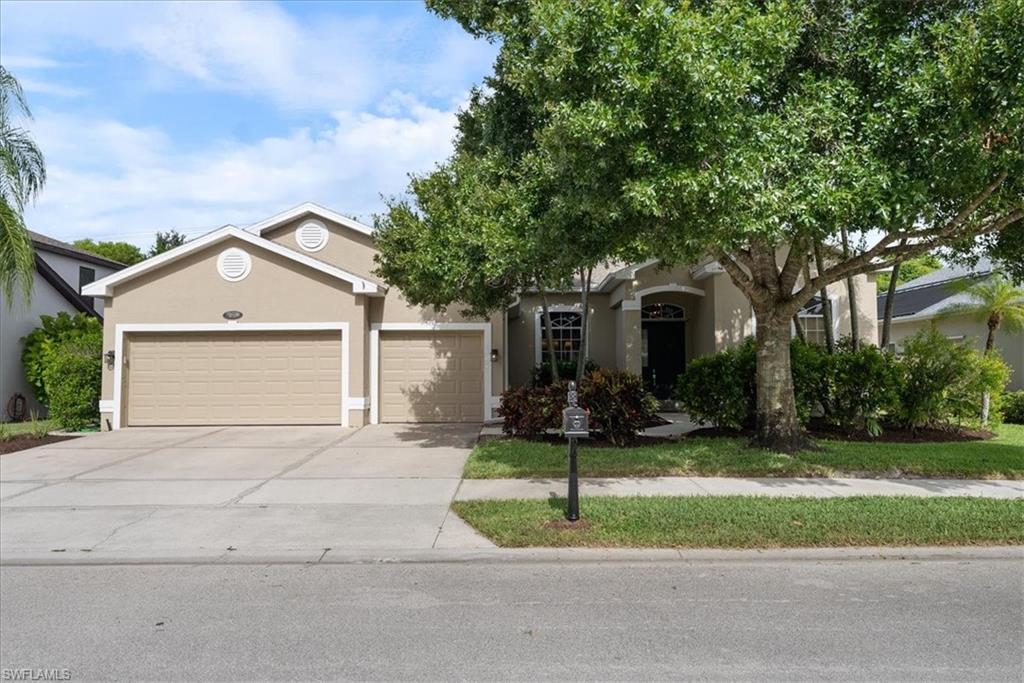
x=37 y=345
x=863 y=386
x=1012 y=407
x=72 y=376
x=944 y=380
x=719 y=389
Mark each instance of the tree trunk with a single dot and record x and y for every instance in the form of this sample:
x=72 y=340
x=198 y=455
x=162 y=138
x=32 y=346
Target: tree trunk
x=826 y=305
x=581 y=359
x=799 y=328
x=890 y=301
x=990 y=344
x=778 y=426
x=851 y=293
x=549 y=335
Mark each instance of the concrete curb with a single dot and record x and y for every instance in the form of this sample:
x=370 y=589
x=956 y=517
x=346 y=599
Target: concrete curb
x=518 y=555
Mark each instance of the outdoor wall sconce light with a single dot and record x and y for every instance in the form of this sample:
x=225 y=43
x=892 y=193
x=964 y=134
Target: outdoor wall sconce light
x=494 y=355
x=109 y=357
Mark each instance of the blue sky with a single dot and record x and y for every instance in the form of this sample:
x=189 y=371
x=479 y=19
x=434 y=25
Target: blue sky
x=191 y=115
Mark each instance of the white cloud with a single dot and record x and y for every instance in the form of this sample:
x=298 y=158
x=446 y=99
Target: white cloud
x=144 y=185
x=32 y=85
x=255 y=48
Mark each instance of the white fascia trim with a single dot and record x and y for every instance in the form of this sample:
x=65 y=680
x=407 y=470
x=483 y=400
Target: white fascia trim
x=377 y=328
x=126 y=328
x=627 y=273
x=706 y=270
x=104 y=286
x=315 y=209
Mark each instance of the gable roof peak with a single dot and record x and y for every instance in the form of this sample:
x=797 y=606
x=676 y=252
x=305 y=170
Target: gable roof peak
x=315 y=209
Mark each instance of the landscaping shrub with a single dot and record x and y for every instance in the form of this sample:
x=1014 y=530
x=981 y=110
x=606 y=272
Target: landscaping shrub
x=863 y=385
x=944 y=380
x=540 y=376
x=811 y=367
x=38 y=343
x=530 y=411
x=719 y=389
x=1012 y=406
x=72 y=378
x=618 y=404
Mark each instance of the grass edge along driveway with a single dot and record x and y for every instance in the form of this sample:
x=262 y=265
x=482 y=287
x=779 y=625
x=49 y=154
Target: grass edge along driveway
x=749 y=522
x=998 y=458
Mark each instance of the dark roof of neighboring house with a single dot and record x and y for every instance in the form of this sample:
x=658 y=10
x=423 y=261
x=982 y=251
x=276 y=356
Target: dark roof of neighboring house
x=926 y=291
x=44 y=243
x=64 y=289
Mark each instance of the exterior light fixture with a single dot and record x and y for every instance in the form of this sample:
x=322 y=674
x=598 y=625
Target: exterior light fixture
x=494 y=355
x=109 y=357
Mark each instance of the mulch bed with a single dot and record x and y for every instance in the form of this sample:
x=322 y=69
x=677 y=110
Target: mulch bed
x=20 y=443
x=822 y=430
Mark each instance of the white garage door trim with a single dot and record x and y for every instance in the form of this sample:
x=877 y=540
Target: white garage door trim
x=127 y=328
x=377 y=328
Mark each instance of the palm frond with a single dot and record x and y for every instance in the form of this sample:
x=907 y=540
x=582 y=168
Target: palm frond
x=17 y=260
x=22 y=166
x=11 y=94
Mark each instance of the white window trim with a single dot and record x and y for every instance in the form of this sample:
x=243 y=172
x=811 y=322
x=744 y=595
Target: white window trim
x=127 y=328
x=377 y=328
x=537 y=334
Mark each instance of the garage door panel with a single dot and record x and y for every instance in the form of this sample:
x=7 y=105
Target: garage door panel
x=234 y=378
x=431 y=377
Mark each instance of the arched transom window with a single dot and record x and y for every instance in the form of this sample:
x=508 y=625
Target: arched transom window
x=662 y=312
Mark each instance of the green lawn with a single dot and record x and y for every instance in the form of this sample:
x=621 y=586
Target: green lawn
x=750 y=522
x=999 y=458
x=19 y=428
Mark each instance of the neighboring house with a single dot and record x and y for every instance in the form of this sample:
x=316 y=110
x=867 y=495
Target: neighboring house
x=284 y=323
x=61 y=271
x=920 y=303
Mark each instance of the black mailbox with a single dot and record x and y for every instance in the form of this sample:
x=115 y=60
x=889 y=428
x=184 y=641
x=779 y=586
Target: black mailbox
x=574 y=422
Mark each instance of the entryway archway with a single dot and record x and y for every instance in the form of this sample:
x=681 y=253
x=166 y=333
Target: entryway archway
x=663 y=346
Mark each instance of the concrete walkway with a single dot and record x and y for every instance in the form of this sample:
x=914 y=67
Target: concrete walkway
x=483 y=489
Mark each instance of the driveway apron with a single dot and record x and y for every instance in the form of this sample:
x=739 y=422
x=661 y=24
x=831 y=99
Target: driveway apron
x=169 y=493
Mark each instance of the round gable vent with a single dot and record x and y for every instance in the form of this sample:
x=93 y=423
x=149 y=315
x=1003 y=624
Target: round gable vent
x=234 y=264
x=312 y=235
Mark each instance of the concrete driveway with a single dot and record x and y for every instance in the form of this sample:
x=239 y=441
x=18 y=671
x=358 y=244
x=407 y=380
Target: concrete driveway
x=201 y=492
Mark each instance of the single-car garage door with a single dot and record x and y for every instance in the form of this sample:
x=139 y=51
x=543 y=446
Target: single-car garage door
x=431 y=377
x=243 y=378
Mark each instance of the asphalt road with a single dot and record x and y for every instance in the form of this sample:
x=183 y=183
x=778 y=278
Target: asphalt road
x=789 y=620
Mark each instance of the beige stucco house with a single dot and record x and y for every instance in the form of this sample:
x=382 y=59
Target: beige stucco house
x=921 y=303
x=284 y=323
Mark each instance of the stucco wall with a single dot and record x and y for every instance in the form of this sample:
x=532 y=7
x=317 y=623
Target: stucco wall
x=277 y=290
x=346 y=248
x=1010 y=346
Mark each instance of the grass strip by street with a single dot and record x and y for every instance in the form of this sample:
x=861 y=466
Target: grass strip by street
x=998 y=458
x=749 y=522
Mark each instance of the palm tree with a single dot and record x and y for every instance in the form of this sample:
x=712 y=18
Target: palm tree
x=998 y=303
x=22 y=174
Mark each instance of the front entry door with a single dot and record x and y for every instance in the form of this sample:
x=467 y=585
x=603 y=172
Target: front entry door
x=665 y=345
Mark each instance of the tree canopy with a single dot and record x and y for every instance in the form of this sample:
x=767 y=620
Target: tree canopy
x=122 y=252
x=165 y=241
x=753 y=131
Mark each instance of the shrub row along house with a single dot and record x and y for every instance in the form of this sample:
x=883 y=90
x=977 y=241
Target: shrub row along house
x=284 y=323
x=61 y=272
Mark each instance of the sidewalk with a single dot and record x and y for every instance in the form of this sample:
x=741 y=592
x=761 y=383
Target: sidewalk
x=482 y=489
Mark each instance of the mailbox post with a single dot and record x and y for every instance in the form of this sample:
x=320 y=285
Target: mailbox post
x=575 y=425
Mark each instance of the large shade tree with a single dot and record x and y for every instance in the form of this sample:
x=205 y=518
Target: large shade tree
x=22 y=174
x=757 y=131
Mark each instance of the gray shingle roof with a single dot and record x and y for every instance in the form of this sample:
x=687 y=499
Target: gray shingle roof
x=926 y=291
x=46 y=243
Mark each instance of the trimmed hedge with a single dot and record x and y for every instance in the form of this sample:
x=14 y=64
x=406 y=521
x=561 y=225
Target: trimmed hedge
x=73 y=375
x=37 y=345
x=616 y=400
x=936 y=382
x=1013 y=407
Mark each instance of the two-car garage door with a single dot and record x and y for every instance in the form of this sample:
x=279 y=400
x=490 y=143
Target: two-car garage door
x=243 y=378
x=294 y=377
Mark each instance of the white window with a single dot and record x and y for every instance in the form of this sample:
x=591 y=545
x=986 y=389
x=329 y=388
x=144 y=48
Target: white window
x=234 y=264
x=814 y=329
x=312 y=235
x=566 y=332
